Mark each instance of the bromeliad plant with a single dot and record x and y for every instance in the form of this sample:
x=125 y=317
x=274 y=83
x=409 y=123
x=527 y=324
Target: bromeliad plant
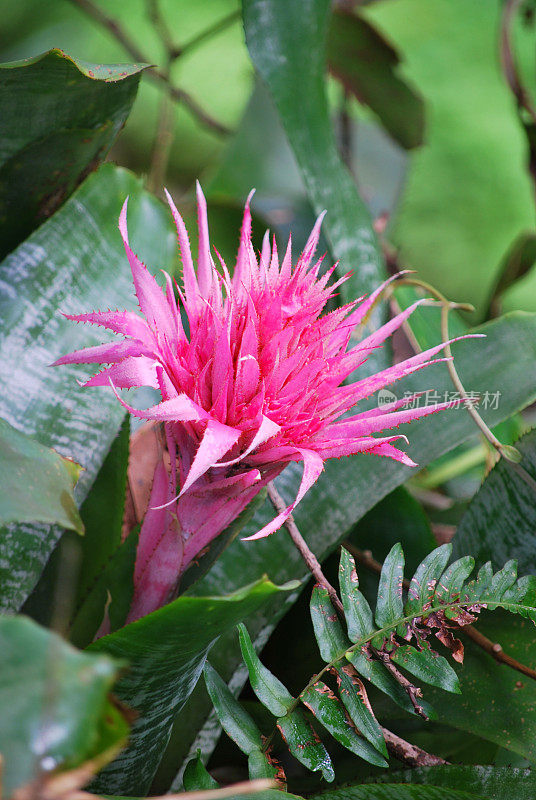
x=361 y=644
x=252 y=377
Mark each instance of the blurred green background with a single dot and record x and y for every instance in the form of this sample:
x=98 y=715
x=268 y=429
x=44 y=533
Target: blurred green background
x=456 y=204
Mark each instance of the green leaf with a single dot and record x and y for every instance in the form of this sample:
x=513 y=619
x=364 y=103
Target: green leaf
x=260 y=766
x=423 y=584
x=37 y=483
x=304 y=744
x=491 y=362
x=266 y=686
x=112 y=591
x=494 y=783
x=450 y=583
x=396 y=792
x=74 y=262
x=331 y=639
x=54 y=700
x=58 y=118
x=389 y=604
x=102 y=511
x=359 y=619
x=330 y=713
x=427 y=666
x=287 y=43
x=235 y=721
x=367 y=66
x=352 y=693
x=196 y=776
x=166 y=651
x=500 y=521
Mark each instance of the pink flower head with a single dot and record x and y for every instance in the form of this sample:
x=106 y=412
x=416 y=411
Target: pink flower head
x=255 y=382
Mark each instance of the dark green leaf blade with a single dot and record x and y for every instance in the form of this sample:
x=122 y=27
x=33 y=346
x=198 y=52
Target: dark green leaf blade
x=500 y=521
x=389 y=605
x=166 y=651
x=58 y=118
x=328 y=710
x=37 y=484
x=353 y=695
x=235 y=721
x=331 y=639
x=450 y=584
x=34 y=662
x=112 y=592
x=266 y=686
x=304 y=744
x=423 y=584
x=102 y=511
x=497 y=783
x=427 y=666
x=366 y=64
x=196 y=776
x=359 y=619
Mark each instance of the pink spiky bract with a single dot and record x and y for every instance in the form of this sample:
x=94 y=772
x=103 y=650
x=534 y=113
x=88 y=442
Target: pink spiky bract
x=257 y=383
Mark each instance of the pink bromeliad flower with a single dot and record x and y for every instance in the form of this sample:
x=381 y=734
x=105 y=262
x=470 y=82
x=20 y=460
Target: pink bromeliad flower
x=254 y=383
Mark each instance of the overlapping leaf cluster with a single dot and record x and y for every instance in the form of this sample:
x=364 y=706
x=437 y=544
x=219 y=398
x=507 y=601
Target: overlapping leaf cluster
x=401 y=634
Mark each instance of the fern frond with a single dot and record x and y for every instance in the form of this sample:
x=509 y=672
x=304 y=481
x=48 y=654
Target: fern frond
x=379 y=647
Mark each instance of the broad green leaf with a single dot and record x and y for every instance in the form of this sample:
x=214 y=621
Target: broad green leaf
x=58 y=118
x=428 y=666
x=166 y=651
x=54 y=700
x=74 y=262
x=494 y=783
x=235 y=721
x=37 y=483
x=396 y=792
x=389 y=604
x=330 y=713
x=367 y=64
x=287 y=44
x=111 y=594
x=330 y=636
x=304 y=744
x=196 y=776
x=450 y=583
x=359 y=618
x=500 y=521
x=423 y=584
x=266 y=686
x=102 y=511
x=352 y=695
x=326 y=520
